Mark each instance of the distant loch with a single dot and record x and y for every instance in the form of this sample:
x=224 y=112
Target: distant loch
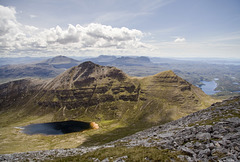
x=209 y=87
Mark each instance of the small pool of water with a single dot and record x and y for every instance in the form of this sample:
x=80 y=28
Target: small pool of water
x=56 y=128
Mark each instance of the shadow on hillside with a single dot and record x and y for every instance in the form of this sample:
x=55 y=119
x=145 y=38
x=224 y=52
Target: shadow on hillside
x=118 y=133
x=99 y=139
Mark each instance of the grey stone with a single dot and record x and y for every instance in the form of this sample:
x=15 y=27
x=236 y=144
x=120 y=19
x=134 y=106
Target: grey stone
x=189 y=144
x=210 y=146
x=182 y=157
x=204 y=153
x=165 y=135
x=105 y=160
x=198 y=144
x=189 y=159
x=187 y=151
x=95 y=159
x=121 y=159
x=209 y=128
x=227 y=159
x=234 y=120
x=179 y=141
x=203 y=136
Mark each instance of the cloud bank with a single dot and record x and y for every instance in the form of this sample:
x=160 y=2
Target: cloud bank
x=18 y=38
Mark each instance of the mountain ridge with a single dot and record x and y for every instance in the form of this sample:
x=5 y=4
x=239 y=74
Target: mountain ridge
x=113 y=92
x=103 y=94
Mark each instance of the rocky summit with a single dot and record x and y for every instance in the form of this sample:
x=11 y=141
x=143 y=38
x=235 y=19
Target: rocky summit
x=211 y=134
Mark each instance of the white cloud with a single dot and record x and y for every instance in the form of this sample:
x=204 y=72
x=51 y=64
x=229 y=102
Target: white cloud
x=15 y=37
x=8 y=21
x=93 y=36
x=180 y=40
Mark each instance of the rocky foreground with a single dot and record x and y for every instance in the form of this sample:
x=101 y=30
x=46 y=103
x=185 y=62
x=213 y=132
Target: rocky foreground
x=212 y=134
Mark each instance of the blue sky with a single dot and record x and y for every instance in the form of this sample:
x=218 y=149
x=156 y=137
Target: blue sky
x=163 y=28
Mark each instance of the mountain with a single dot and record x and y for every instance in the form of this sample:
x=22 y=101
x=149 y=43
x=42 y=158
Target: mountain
x=61 y=62
x=86 y=74
x=106 y=93
x=119 y=104
x=88 y=85
x=211 y=134
x=45 y=69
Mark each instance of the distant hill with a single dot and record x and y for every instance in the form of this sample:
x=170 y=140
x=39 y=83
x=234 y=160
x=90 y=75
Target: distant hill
x=45 y=69
x=61 y=62
x=20 y=60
